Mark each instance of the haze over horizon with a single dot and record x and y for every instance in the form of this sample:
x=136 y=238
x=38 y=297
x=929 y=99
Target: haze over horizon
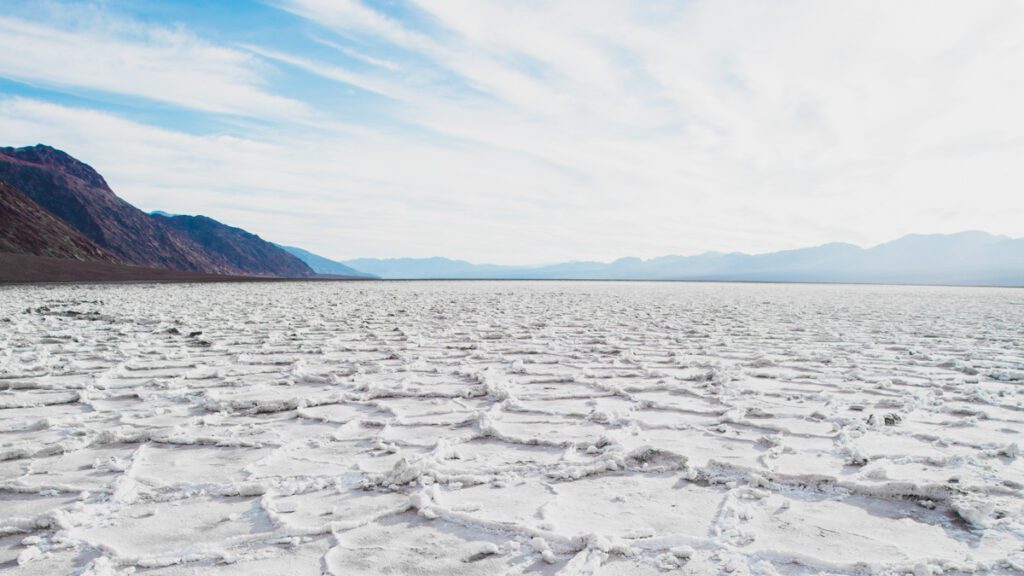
x=709 y=251
x=535 y=134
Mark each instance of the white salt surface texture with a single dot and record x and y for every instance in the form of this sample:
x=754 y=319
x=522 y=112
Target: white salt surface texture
x=478 y=428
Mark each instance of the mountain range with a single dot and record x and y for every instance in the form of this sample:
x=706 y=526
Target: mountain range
x=53 y=206
x=59 y=220
x=973 y=258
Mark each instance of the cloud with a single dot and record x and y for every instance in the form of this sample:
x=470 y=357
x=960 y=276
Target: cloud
x=355 y=19
x=542 y=131
x=159 y=64
x=792 y=113
x=335 y=73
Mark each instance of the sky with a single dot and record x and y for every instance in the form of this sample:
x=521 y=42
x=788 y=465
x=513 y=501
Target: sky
x=531 y=132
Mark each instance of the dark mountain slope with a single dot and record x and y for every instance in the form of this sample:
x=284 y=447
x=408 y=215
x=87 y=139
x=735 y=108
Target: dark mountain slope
x=27 y=228
x=78 y=195
x=247 y=252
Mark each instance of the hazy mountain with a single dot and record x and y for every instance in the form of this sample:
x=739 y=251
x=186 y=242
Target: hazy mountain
x=962 y=258
x=77 y=195
x=408 y=268
x=322 y=265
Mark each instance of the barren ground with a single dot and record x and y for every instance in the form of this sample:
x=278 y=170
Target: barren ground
x=510 y=427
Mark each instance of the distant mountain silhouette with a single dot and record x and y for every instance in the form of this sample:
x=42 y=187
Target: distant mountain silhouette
x=322 y=265
x=969 y=258
x=77 y=195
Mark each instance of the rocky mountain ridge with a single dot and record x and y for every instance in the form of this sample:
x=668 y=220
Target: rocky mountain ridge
x=80 y=197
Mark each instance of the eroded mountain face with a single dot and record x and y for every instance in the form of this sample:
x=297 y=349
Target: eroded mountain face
x=27 y=228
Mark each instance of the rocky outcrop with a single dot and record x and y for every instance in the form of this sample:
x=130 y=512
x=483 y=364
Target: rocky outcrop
x=28 y=229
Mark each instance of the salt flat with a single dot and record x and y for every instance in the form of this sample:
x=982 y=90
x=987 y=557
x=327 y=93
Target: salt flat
x=511 y=427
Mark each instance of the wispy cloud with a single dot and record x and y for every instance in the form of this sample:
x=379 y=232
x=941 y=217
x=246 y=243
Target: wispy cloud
x=335 y=73
x=165 y=65
x=381 y=62
x=352 y=18
x=798 y=111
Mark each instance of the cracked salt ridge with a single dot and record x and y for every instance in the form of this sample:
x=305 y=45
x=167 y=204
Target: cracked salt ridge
x=510 y=428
